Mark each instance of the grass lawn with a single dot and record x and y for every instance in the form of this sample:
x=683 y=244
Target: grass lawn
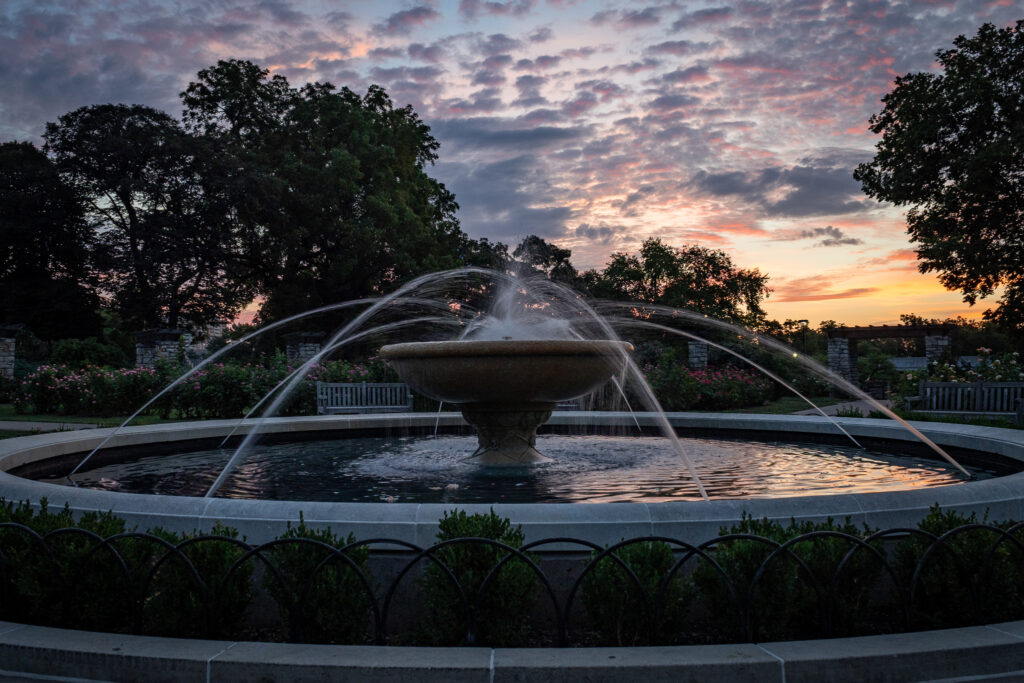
x=788 y=404
x=10 y=433
x=7 y=413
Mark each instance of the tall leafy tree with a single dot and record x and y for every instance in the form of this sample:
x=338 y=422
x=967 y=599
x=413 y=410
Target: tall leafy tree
x=348 y=209
x=952 y=150
x=692 y=277
x=170 y=247
x=45 y=243
x=536 y=256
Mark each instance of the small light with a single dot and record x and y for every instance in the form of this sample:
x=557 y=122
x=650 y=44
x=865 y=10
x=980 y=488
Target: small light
x=795 y=354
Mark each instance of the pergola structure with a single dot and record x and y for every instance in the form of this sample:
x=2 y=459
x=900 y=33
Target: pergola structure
x=842 y=343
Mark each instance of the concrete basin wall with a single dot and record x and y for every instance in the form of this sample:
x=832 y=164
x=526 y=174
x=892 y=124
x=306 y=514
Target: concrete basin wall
x=603 y=523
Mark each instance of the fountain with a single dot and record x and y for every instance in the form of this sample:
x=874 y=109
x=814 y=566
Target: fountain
x=507 y=388
x=562 y=349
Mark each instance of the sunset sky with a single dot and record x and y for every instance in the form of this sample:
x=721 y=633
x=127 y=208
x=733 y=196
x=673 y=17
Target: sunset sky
x=734 y=125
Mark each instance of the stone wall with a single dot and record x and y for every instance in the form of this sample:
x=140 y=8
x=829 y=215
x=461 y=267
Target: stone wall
x=6 y=355
x=697 y=355
x=301 y=346
x=842 y=358
x=152 y=345
x=935 y=346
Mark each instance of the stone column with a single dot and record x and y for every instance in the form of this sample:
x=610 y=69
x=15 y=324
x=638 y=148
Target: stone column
x=697 y=355
x=301 y=346
x=842 y=358
x=935 y=345
x=152 y=345
x=7 y=334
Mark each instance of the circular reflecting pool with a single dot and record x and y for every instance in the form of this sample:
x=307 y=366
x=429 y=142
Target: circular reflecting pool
x=585 y=469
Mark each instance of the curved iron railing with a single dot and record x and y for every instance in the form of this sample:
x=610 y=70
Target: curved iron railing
x=649 y=590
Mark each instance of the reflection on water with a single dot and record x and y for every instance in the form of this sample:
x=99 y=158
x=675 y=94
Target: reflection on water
x=586 y=469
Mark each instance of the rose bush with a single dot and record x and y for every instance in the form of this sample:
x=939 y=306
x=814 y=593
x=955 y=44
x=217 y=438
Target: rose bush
x=220 y=390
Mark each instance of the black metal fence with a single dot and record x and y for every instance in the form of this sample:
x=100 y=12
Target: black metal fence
x=557 y=591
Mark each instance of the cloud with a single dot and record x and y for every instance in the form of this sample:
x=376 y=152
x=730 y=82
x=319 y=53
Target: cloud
x=809 y=289
x=483 y=101
x=627 y=19
x=692 y=74
x=540 y=35
x=673 y=102
x=426 y=53
x=482 y=133
x=472 y=9
x=542 y=63
x=507 y=199
x=795 y=191
x=405 y=21
x=383 y=53
x=678 y=48
x=498 y=43
x=601 y=233
x=701 y=17
x=829 y=236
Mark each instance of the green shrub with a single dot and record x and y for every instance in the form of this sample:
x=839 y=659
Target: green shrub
x=80 y=353
x=785 y=604
x=175 y=604
x=622 y=611
x=74 y=587
x=501 y=614
x=331 y=607
x=953 y=587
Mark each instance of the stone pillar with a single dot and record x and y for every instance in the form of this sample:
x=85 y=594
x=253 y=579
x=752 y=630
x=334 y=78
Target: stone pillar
x=697 y=355
x=301 y=346
x=842 y=358
x=935 y=345
x=152 y=345
x=7 y=334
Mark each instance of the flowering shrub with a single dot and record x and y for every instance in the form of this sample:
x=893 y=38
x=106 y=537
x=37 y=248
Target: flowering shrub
x=91 y=390
x=220 y=390
x=679 y=388
x=1006 y=367
x=729 y=387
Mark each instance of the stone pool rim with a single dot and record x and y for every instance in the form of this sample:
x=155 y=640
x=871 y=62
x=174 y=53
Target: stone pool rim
x=604 y=523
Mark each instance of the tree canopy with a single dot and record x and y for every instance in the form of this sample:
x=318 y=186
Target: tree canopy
x=345 y=206
x=952 y=149
x=693 y=277
x=45 y=244
x=169 y=248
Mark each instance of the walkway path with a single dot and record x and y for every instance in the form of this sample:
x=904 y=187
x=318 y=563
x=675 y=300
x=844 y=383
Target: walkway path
x=31 y=426
x=863 y=406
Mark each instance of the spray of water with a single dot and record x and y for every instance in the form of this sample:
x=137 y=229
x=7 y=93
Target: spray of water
x=213 y=357
x=435 y=279
x=379 y=329
x=807 y=363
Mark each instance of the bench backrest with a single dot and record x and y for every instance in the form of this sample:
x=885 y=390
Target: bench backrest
x=980 y=397
x=363 y=395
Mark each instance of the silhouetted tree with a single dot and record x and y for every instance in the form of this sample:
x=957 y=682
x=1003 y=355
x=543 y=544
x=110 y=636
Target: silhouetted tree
x=691 y=277
x=169 y=246
x=45 y=243
x=952 y=149
x=536 y=256
x=345 y=207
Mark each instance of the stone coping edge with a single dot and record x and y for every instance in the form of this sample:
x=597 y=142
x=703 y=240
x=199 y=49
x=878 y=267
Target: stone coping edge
x=603 y=523
x=34 y=652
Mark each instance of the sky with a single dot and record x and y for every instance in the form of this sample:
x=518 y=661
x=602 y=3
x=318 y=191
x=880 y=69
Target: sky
x=735 y=125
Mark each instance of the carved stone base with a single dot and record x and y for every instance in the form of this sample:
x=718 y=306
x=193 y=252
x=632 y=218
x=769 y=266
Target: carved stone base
x=507 y=434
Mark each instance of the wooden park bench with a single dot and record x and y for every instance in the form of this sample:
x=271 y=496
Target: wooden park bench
x=979 y=399
x=362 y=397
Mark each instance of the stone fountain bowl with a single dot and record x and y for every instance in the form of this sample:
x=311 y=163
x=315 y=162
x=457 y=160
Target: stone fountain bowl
x=507 y=371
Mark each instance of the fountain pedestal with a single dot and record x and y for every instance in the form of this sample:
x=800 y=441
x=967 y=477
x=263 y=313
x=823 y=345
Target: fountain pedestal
x=507 y=434
x=507 y=388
